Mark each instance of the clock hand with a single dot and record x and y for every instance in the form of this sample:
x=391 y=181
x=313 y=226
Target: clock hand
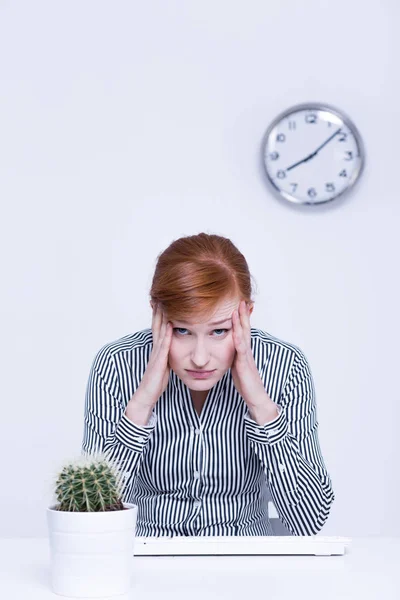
x=328 y=140
x=315 y=151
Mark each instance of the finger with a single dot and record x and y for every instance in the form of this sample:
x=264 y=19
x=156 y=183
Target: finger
x=236 y=321
x=154 y=325
x=158 y=323
x=245 y=321
x=242 y=341
x=237 y=331
x=167 y=335
x=243 y=314
x=163 y=323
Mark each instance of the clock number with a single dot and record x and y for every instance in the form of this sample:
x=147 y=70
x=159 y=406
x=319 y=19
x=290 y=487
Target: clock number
x=281 y=174
x=343 y=137
x=311 y=118
x=343 y=173
x=312 y=192
x=350 y=155
x=292 y=124
x=294 y=186
x=274 y=155
x=330 y=187
x=280 y=137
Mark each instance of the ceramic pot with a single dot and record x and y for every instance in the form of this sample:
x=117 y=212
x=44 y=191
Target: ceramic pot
x=92 y=552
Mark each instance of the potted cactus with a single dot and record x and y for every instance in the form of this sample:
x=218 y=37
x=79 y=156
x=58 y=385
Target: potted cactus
x=91 y=531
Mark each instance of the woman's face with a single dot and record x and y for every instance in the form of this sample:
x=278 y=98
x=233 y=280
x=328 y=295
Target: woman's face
x=204 y=347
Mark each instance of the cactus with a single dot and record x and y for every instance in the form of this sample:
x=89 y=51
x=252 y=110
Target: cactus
x=91 y=483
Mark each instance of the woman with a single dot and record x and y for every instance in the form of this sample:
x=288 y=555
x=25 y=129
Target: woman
x=208 y=417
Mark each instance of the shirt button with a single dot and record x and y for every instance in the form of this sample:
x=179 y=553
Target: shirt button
x=197 y=431
x=140 y=440
x=281 y=468
x=197 y=503
x=196 y=474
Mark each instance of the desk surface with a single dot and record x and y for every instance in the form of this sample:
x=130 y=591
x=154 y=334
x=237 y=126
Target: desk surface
x=368 y=571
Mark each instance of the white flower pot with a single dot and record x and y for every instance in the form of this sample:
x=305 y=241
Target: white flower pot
x=92 y=552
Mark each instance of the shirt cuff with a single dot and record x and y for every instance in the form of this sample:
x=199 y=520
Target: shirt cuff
x=135 y=436
x=270 y=433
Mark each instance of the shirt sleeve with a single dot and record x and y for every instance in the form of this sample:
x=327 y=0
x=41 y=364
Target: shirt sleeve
x=106 y=427
x=289 y=450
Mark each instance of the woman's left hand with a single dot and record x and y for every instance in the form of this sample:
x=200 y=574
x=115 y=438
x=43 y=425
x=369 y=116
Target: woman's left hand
x=244 y=370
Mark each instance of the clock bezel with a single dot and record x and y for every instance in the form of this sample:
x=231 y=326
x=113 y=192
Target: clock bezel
x=355 y=176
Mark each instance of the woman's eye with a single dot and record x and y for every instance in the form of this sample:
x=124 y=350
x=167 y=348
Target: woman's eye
x=178 y=329
x=224 y=330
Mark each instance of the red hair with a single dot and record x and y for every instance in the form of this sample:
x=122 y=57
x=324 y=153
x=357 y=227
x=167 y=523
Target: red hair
x=196 y=273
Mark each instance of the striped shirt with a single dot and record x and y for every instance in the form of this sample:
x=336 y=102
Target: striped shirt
x=212 y=474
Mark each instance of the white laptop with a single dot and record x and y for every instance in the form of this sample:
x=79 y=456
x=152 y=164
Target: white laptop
x=318 y=545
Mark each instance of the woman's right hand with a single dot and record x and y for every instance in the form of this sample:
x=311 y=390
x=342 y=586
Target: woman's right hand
x=156 y=376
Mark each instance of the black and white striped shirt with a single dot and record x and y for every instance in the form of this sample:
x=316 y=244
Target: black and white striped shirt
x=212 y=474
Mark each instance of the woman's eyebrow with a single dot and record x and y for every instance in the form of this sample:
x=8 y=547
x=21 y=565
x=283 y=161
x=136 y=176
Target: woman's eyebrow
x=214 y=323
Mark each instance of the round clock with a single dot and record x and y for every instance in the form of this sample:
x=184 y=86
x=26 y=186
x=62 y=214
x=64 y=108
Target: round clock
x=312 y=153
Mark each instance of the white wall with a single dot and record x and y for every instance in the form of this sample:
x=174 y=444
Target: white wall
x=125 y=125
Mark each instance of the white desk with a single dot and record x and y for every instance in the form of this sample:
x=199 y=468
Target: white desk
x=370 y=570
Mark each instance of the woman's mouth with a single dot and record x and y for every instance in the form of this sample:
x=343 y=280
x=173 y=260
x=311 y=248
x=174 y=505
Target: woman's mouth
x=200 y=374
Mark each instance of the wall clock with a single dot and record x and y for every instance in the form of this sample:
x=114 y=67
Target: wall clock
x=312 y=154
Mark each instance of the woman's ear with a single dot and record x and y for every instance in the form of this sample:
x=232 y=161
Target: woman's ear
x=250 y=307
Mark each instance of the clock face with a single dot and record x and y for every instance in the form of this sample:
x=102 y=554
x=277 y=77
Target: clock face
x=312 y=154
